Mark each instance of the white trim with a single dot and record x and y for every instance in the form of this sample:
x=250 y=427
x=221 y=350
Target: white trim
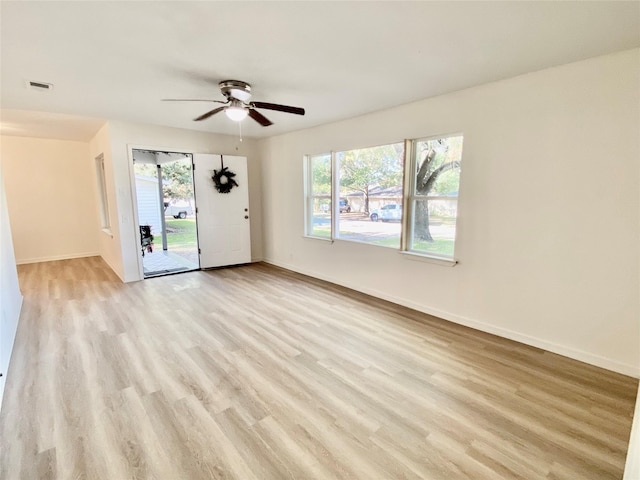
x=134 y=195
x=576 y=354
x=114 y=270
x=314 y=237
x=411 y=198
x=306 y=187
x=103 y=197
x=54 y=258
x=362 y=242
x=335 y=195
x=421 y=257
x=309 y=195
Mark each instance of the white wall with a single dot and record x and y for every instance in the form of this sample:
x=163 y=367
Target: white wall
x=108 y=239
x=121 y=137
x=10 y=296
x=50 y=191
x=548 y=210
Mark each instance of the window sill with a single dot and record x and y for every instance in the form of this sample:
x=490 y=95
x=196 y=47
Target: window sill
x=445 y=262
x=322 y=239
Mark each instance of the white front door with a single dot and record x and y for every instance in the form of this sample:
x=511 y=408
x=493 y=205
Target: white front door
x=224 y=235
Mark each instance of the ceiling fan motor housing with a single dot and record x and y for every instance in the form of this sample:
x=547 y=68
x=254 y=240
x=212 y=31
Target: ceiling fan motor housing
x=236 y=89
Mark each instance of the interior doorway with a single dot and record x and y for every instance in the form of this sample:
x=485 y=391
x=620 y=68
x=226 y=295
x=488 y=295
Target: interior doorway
x=166 y=212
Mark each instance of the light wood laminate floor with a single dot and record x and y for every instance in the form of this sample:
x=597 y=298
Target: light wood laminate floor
x=256 y=373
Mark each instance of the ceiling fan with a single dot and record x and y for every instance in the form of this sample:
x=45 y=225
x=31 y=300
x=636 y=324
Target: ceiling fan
x=238 y=104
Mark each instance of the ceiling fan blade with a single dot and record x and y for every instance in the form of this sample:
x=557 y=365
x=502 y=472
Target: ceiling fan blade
x=190 y=100
x=208 y=114
x=280 y=108
x=258 y=117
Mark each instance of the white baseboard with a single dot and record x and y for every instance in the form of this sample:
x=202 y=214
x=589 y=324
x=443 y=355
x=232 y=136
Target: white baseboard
x=576 y=354
x=111 y=267
x=25 y=261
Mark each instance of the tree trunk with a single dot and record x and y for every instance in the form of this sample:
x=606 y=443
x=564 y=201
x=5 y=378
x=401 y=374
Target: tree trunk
x=421 y=225
x=424 y=184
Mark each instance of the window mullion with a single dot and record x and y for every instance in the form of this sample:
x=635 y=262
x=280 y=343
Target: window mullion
x=407 y=195
x=314 y=200
x=307 y=194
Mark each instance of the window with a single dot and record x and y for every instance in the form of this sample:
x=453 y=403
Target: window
x=433 y=199
x=103 y=200
x=318 y=196
x=359 y=195
x=370 y=191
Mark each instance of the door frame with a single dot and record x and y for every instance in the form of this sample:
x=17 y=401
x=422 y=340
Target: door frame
x=134 y=194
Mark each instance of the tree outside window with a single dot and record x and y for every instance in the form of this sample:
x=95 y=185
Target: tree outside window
x=370 y=179
x=359 y=195
x=318 y=206
x=366 y=168
x=434 y=199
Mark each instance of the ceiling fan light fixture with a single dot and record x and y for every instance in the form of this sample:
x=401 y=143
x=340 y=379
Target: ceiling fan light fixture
x=238 y=107
x=236 y=113
x=240 y=94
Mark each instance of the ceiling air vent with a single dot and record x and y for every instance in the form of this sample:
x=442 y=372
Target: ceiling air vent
x=40 y=86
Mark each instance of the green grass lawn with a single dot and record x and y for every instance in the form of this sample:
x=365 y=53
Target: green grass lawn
x=181 y=233
x=439 y=246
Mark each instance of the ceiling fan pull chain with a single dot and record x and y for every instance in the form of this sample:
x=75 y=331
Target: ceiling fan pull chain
x=240 y=128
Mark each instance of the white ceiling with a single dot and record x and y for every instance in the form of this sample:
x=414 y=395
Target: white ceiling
x=116 y=59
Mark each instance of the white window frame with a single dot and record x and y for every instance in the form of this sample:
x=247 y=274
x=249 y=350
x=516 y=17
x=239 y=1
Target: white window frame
x=310 y=196
x=103 y=198
x=411 y=198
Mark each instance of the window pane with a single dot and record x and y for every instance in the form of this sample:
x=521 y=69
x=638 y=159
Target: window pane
x=370 y=181
x=103 y=200
x=321 y=175
x=320 y=217
x=319 y=199
x=434 y=229
x=437 y=163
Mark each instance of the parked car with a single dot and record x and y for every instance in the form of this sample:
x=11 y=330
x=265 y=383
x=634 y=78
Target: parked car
x=344 y=206
x=393 y=211
x=178 y=211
